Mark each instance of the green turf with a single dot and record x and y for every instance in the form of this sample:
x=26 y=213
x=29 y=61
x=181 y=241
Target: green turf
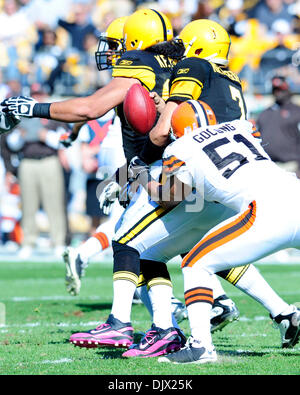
x=41 y=316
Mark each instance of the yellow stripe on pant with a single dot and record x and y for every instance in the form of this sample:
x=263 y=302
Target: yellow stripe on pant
x=236 y=273
x=143 y=224
x=128 y=276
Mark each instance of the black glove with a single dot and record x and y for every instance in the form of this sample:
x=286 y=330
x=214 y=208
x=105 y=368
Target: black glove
x=66 y=139
x=7 y=122
x=127 y=192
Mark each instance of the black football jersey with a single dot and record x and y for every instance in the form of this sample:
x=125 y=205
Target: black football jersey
x=198 y=79
x=154 y=72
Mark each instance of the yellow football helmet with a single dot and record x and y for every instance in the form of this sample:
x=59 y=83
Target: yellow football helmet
x=146 y=27
x=111 y=44
x=206 y=39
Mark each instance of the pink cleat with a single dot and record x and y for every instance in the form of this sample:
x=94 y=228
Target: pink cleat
x=156 y=342
x=113 y=333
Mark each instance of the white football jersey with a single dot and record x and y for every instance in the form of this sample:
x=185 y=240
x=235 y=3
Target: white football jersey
x=226 y=164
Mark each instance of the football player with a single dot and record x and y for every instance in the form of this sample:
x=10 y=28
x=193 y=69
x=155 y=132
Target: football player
x=226 y=164
x=185 y=84
x=207 y=43
x=110 y=49
x=150 y=55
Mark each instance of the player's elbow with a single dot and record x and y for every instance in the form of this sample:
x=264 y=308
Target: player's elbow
x=91 y=112
x=159 y=137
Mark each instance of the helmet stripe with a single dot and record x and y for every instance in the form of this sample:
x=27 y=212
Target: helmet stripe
x=191 y=103
x=163 y=24
x=200 y=113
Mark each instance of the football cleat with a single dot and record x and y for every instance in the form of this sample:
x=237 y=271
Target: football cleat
x=289 y=327
x=156 y=342
x=182 y=337
x=74 y=270
x=223 y=312
x=179 y=310
x=113 y=333
x=191 y=353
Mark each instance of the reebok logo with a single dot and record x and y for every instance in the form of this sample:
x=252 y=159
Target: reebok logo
x=183 y=71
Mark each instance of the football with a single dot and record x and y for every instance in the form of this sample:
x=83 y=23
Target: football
x=139 y=109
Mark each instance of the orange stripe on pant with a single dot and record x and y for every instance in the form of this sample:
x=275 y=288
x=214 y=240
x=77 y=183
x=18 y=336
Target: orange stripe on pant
x=221 y=236
x=103 y=239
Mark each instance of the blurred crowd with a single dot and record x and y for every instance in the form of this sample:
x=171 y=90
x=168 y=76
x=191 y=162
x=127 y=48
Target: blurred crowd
x=52 y=42
x=47 y=50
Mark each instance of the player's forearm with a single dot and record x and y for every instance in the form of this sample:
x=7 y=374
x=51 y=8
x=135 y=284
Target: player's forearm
x=72 y=110
x=159 y=135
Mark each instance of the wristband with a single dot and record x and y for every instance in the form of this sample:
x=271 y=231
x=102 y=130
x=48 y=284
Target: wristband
x=41 y=110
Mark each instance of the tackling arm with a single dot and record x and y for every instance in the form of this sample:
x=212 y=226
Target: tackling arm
x=93 y=106
x=72 y=110
x=169 y=194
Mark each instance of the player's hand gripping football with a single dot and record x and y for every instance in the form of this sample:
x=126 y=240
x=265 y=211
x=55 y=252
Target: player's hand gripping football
x=19 y=106
x=158 y=101
x=7 y=122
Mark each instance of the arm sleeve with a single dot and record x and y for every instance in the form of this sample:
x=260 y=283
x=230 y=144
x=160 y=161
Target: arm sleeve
x=131 y=65
x=187 y=79
x=173 y=165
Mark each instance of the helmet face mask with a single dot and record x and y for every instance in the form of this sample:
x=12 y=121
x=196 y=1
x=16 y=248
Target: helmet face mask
x=111 y=44
x=109 y=50
x=206 y=39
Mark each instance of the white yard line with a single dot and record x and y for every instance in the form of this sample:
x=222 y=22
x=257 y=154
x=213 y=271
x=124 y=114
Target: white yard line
x=63 y=360
x=91 y=324
x=99 y=297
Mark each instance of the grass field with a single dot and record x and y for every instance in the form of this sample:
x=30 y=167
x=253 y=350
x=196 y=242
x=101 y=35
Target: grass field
x=41 y=316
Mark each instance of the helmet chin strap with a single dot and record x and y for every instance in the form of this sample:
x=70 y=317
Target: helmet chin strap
x=211 y=58
x=189 y=46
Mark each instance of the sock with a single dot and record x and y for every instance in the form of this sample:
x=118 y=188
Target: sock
x=199 y=300
x=254 y=285
x=122 y=300
x=217 y=287
x=93 y=246
x=160 y=296
x=125 y=279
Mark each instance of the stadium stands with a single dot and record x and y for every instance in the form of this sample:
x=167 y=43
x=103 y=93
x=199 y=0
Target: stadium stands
x=53 y=43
